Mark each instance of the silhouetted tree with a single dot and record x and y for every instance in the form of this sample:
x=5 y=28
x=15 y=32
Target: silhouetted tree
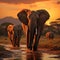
x=56 y=25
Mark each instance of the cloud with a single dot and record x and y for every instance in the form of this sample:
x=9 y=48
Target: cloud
x=58 y=2
x=21 y=1
x=32 y=6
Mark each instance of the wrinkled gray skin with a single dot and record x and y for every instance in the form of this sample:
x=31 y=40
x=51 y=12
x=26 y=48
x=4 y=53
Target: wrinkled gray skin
x=37 y=20
x=17 y=35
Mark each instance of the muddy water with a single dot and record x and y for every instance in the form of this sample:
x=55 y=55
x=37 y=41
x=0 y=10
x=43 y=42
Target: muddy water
x=22 y=54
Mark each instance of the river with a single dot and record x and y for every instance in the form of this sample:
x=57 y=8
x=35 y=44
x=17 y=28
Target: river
x=22 y=54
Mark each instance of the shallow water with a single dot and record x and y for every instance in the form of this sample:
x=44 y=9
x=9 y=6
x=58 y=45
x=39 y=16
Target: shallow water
x=21 y=54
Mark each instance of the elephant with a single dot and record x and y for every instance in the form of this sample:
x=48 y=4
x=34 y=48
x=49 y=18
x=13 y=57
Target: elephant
x=10 y=32
x=34 y=20
x=17 y=35
x=34 y=56
x=50 y=35
x=14 y=34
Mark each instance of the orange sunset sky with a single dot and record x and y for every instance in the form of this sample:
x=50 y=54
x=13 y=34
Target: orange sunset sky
x=12 y=7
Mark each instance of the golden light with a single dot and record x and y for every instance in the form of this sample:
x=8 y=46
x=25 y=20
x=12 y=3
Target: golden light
x=13 y=9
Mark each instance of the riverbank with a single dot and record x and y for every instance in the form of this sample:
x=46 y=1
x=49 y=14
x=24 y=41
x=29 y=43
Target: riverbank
x=44 y=43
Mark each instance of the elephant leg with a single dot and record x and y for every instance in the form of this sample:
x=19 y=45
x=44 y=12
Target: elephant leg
x=10 y=37
x=11 y=41
x=18 y=41
x=14 y=42
x=31 y=37
x=37 y=37
x=18 y=38
x=28 y=37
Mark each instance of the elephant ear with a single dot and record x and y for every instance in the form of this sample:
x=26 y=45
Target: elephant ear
x=10 y=28
x=44 y=15
x=22 y=15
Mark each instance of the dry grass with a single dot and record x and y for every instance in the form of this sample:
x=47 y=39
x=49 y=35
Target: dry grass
x=45 y=42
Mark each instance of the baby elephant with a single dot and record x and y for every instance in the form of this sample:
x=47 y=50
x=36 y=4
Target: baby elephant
x=14 y=34
x=50 y=35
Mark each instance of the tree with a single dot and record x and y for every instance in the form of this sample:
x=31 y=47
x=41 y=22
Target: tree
x=56 y=25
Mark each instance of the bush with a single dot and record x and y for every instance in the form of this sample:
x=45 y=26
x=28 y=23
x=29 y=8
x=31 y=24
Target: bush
x=2 y=48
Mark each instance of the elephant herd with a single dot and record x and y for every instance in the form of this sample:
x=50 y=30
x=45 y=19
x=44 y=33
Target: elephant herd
x=33 y=24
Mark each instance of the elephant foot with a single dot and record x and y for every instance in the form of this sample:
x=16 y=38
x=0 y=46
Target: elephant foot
x=28 y=50
x=34 y=48
x=18 y=45
x=13 y=48
x=14 y=45
x=29 y=47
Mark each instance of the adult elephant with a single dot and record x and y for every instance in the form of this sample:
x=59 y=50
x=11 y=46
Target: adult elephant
x=34 y=20
x=14 y=34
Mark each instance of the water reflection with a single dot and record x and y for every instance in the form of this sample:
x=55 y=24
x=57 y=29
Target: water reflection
x=17 y=55
x=34 y=56
x=47 y=56
x=56 y=56
x=21 y=54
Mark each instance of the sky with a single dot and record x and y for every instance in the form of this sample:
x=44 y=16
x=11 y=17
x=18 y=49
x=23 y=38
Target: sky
x=12 y=7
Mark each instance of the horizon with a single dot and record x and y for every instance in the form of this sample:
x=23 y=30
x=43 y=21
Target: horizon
x=11 y=8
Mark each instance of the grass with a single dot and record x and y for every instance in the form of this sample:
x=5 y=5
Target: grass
x=43 y=42
x=46 y=43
